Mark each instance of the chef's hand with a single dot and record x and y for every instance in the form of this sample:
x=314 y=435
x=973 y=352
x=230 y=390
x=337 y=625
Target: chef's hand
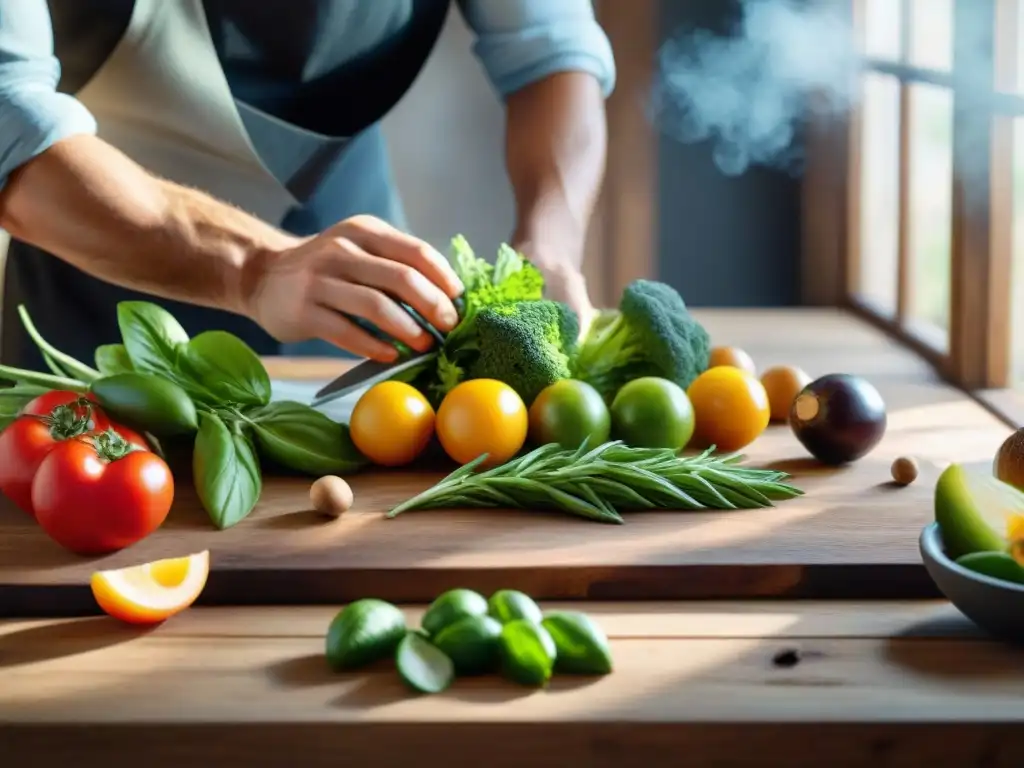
x=355 y=267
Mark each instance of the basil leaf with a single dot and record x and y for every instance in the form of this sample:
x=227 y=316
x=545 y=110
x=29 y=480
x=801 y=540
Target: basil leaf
x=226 y=368
x=151 y=336
x=304 y=439
x=225 y=471
x=113 y=358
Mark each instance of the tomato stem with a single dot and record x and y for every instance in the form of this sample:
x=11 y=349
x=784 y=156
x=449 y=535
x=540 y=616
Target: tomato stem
x=68 y=420
x=110 y=446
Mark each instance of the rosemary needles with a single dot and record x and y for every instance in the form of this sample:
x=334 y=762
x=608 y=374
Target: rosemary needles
x=602 y=482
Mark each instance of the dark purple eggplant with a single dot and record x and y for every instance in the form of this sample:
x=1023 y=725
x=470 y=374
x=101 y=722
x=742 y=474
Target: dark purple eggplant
x=838 y=418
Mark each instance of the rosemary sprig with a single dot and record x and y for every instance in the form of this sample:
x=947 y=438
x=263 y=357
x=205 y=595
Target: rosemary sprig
x=603 y=482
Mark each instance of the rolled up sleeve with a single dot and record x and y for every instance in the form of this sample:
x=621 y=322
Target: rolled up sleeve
x=522 y=41
x=33 y=115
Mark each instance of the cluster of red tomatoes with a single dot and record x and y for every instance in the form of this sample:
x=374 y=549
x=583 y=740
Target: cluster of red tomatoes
x=93 y=485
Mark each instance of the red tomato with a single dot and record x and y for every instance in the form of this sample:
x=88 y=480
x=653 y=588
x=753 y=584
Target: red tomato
x=92 y=498
x=45 y=422
x=23 y=445
x=44 y=405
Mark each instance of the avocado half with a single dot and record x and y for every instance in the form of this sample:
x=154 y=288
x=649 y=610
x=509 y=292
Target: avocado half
x=974 y=511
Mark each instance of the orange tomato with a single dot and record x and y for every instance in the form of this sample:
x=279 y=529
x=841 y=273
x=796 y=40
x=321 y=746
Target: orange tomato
x=152 y=592
x=730 y=408
x=482 y=416
x=783 y=383
x=732 y=356
x=391 y=423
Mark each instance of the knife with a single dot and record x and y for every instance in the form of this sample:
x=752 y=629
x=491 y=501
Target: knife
x=370 y=372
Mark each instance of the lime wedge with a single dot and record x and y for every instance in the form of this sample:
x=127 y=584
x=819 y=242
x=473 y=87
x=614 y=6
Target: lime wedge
x=423 y=666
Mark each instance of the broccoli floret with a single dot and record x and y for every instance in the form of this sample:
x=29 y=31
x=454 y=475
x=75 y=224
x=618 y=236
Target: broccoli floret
x=650 y=334
x=526 y=344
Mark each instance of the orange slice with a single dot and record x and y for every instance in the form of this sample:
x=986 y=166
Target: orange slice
x=152 y=592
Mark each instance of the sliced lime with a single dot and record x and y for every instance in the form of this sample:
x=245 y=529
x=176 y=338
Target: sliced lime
x=422 y=665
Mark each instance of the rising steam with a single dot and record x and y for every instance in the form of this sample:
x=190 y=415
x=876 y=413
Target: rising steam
x=748 y=92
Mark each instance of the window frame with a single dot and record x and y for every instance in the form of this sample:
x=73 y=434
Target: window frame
x=978 y=353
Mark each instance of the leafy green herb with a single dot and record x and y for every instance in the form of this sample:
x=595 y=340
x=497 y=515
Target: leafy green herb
x=225 y=471
x=60 y=363
x=602 y=482
x=226 y=368
x=304 y=439
x=14 y=399
x=151 y=336
x=113 y=358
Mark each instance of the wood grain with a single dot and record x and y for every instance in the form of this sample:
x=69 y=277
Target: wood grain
x=694 y=684
x=852 y=535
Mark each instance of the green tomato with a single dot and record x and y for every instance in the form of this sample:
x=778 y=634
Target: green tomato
x=652 y=412
x=569 y=412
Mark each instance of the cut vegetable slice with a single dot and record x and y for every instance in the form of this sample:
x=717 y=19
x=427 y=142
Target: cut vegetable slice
x=151 y=592
x=423 y=666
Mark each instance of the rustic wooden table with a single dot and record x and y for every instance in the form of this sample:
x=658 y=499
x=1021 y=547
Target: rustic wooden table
x=698 y=681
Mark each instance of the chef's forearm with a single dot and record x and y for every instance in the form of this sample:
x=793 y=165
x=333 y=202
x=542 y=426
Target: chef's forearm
x=555 y=153
x=90 y=205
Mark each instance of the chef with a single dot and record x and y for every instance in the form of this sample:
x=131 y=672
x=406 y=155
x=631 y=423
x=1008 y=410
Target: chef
x=225 y=159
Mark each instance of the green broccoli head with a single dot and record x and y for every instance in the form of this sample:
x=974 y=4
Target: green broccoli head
x=651 y=334
x=526 y=344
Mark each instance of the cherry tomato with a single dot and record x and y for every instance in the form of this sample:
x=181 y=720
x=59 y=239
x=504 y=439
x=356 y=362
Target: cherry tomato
x=46 y=403
x=98 y=494
x=45 y=422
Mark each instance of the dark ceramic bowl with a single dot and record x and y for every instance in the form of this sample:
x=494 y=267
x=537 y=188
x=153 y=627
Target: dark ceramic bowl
x=995 y=606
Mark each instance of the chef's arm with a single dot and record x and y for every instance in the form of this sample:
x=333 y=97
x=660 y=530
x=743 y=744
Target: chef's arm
x=92 y=206
x=553 y=65
x=70 y=193
x=555 y=153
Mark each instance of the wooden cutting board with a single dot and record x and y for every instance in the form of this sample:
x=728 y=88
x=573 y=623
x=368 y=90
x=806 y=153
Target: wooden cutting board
x=852 y=535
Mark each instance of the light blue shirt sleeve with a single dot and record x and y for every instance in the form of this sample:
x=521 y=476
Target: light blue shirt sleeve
x=522 y=41
x=33 y=115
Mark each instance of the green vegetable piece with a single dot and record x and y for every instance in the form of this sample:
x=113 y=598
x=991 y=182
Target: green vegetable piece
x=528 y=653
x=59 y=362
x=113 y=358
x=511 y=279
x=225 y=471
x=598 y=483
x=472 y=643
x=581 y=644
x=450 y=607
x=151 y=336
x=302 y=438
x=148 y=402
x=363 y=632
x=14 y=399
x=995 y=565
x=529 y=345
x=225 y=368
x=423 y=666
x=651 y=334
x=508 y=605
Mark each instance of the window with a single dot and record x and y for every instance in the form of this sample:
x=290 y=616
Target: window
x=931 y=234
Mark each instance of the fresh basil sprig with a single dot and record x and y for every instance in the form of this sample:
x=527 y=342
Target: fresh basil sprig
x=230 y=389
x=225 y=470
x=304 y=439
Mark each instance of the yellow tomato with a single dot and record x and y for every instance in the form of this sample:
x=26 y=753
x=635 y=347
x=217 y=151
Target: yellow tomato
x=392 y=423
x=730 y=407
x=482 y=416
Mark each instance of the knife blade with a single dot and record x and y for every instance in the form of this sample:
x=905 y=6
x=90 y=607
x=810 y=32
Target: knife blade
x=370 y=372
x=366 y=374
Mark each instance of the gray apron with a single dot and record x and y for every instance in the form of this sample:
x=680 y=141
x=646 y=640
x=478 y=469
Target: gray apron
x=162 y=97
